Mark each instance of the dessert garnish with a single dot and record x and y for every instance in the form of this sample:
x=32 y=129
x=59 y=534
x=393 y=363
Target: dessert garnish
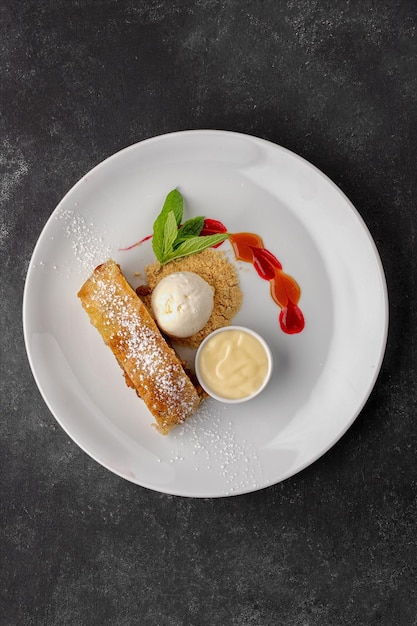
x=172 y=240
x=284 y=289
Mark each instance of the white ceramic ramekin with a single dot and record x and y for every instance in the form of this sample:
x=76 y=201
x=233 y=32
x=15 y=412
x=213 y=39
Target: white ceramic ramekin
x=204 y=383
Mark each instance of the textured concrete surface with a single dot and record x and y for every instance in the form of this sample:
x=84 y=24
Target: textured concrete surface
x=335 y=82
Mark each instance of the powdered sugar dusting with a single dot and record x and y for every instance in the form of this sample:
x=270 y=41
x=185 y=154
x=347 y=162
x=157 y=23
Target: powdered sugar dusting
x=90 y=247
x=217 y=449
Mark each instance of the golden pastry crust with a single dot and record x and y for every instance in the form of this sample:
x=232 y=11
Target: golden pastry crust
x=149 y=364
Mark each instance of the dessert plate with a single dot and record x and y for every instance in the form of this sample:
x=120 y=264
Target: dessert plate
x=322 y=376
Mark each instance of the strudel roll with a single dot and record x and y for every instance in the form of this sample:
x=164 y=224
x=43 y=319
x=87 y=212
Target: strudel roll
x=150 y=365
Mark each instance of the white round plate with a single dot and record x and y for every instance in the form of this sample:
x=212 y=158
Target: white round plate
x=322 y=376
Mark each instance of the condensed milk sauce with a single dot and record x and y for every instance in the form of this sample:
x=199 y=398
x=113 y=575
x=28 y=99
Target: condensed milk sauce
x=233 y=364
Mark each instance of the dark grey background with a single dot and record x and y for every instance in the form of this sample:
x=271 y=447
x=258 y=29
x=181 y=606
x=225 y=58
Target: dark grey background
x=334 y=81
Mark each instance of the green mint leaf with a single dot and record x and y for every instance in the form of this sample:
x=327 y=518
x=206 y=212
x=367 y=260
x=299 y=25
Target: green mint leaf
x=170 y=233
x=194 y=245
x=158 y=239
x=173 y=202
x=190 y=228
x=172 y=241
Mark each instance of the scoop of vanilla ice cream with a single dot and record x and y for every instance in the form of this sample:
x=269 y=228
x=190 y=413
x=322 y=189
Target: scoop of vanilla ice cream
x=182 y=303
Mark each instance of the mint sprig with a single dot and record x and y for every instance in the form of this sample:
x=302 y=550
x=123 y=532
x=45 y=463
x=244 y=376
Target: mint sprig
x=171 y=240
x=173 y=204
x=190 y=228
